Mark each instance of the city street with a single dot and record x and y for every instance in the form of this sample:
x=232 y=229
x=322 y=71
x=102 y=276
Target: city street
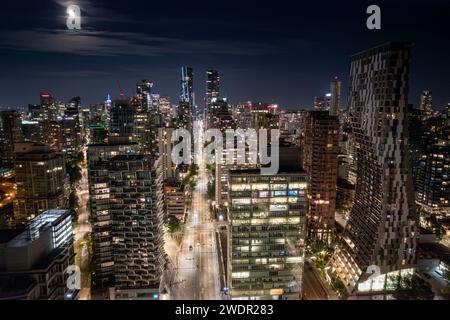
x=83 y=226
x=197 y=275
x=9 y=190
x=312 y=286
x=82 y=229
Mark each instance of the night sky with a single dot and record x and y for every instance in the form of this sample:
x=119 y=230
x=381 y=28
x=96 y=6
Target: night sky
x=275 y=51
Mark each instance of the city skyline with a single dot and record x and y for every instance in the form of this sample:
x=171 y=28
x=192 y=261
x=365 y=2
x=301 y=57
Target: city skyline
x=148 y=225
x=272 y=55
x=257 y=169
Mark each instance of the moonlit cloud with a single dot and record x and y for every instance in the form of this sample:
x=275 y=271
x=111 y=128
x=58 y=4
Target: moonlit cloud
x=101 y=43
x=100 y=36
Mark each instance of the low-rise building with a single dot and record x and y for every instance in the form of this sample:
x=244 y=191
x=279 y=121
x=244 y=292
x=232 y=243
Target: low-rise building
x=34 y=260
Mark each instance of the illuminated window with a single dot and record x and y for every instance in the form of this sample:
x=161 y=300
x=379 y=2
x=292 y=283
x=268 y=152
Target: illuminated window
x=240 y=275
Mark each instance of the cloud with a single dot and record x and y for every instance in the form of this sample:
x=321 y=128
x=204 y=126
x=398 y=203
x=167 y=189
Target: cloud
x=82 y=73
x=102 y=43
x=93 y=11
x=95 y=42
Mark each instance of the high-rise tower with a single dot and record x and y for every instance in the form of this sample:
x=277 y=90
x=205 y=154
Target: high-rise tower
x=335 y=103
x=321 y=163
x=187 y=89
x=426 y=103
x=382 y=230
x=144 y=93
x=212 y=87
x=40 y=178
x=10 y=132
x=267 y=217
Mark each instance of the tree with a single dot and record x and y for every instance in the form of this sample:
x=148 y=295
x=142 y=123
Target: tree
x=338 y=287
x=192 y=184
x=74 y=204
x=211 y=168
x=80 y=157
x=73 y=200
x=74 y=172
x=172 y=224
x=190 y=179
x=322 y=251
x=211 y=190
x=440 y=233
x=411 y=287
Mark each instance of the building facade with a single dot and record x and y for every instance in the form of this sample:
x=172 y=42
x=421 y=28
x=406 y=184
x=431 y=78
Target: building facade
x=122 y=117
x=267 y=220
x=98 y=157
x=212 y=87
x=433 y=179
x=335 y=103
x=136 y=208
x=127 y=205
x=40 y=178
x=187 y=90
x=10 y=132
x=320 y=160
x=382 y=230
x=175 y=199
x=426 y=103
x=33 y=261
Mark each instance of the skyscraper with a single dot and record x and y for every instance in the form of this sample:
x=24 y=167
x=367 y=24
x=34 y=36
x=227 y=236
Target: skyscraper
x=167 y=112
x=165 y=152
x=144 y=93
x=212 y=87
x=142 y=126
x=10 y=132
x=126 y=203
x=321 y=163
x=183 y=119
x=265 y=116
x=137 y=243
x=40 y=178
x=48 y=106
x=98 y=157
x=322 y=103
x=53 y=136
x=221 y=118
x=187 y=89
x=71 y=128
x=433 y=179
x=267 y=217
x=426 y=103
x=219 y=115
x=426 y=100
x=382 y=230
x=335 y=103
x=122 y=119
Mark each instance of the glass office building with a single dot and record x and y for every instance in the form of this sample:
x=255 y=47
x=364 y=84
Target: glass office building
x=267 y=217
